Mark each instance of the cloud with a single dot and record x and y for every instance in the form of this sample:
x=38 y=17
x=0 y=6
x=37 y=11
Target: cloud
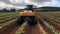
x=13 y=2
x=40 y=1
x=36 y=1
x=53 y=3
x=17 y=4
x=2 y=4
x=9 y=6
x=5 y=1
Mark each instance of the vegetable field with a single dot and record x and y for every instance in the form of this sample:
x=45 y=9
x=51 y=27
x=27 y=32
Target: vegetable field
x=7 y=22
x=51 y=20
x=48 y=23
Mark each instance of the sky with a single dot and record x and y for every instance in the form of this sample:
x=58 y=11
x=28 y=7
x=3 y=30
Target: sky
x=20 y=4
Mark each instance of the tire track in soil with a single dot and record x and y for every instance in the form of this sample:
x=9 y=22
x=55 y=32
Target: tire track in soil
x=46 y=29
x=14 y=30
x=52 y=22
x=10 y=29
x=37 y=29
x=55 y=24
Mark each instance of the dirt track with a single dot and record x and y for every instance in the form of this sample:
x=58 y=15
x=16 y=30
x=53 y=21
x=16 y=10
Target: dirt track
x=9 y=29
x=37 y=29
x=46 y=29
x=14 y=30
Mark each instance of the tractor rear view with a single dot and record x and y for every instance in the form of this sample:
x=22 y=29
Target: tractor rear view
x=27 y=15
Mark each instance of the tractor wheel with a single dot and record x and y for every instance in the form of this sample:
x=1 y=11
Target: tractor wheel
x=20 y=20
x=32 y=21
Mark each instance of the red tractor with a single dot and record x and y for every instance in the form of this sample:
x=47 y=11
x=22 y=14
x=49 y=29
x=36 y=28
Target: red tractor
x=27 y=15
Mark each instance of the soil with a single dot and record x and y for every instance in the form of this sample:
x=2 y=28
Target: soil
x=47 y=30
x=8 y=29
x=37 y=29
x=50 y=21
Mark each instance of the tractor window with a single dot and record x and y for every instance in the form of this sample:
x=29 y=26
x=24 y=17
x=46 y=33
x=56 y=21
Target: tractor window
x=27 y=10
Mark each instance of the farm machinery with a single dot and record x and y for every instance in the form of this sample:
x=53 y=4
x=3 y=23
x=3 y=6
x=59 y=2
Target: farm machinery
x=27 y=15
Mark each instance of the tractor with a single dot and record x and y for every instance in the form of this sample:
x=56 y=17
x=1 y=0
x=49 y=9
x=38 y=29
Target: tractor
x=27 y=15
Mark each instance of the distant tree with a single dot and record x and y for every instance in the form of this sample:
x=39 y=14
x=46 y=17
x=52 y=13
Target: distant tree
x=13 y=10
x=4 y=10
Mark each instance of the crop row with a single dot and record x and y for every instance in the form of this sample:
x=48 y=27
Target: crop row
x=56 y=14
x=52 y=22
x=8 y=28
x=5 y=17
x=53 y=18
x=47 y=30
x=8 y=19
x=47 y=24
x=6 y=14
x=21 y=28
x=7 y=23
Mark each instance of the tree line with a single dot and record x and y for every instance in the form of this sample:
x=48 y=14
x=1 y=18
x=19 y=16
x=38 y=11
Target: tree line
x=47 y=9
x=5 y=10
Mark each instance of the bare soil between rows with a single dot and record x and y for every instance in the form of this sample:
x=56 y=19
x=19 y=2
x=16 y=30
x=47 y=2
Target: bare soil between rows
x=37 y=29
x=8 y=29
x=52 y=22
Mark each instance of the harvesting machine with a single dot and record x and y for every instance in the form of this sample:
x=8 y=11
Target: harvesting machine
x=27 y=15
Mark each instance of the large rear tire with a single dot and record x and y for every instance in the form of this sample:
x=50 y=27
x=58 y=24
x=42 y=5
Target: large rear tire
x=32 y=21
x=20 y=20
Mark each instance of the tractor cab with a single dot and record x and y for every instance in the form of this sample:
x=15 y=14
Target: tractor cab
x=29 y=8
x=28 y=11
